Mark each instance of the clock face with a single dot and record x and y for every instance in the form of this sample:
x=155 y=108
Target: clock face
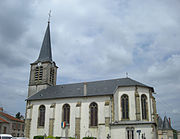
x=39 y=64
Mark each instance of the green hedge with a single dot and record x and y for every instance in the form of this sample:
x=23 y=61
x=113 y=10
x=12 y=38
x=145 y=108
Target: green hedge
x=51 y=137
x=38 y=137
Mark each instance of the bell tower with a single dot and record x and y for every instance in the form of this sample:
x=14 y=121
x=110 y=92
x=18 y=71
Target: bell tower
x=44 y=70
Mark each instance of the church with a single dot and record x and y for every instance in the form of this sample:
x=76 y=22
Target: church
x=119 y=108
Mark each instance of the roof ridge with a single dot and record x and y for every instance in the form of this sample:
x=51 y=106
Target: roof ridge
x=96 y=81
x=3 y=120
x=94 y=88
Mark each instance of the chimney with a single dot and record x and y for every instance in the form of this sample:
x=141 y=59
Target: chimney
x=1 y=109
x=85 y=89
x=169 y=121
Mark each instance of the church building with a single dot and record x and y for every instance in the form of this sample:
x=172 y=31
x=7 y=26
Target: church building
x=119 y=108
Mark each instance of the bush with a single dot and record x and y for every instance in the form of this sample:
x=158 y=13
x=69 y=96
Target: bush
x=50 y=137
x=38 y=137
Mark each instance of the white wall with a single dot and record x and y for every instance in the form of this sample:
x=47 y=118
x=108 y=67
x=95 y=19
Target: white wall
x=82 y=112
x=119 y=131
x=130 y=91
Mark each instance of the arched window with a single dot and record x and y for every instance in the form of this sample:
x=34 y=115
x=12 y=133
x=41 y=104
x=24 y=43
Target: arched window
x=66 y=113
x=41 y=118
x=144 y=106
x=125 y=106
x=93 y=114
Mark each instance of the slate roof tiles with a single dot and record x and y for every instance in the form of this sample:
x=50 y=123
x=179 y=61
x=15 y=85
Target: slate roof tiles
x=95 y=88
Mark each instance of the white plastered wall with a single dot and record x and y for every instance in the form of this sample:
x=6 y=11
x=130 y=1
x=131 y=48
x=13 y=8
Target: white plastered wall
x=119 y=131
x=130 y=91
x=80 y=112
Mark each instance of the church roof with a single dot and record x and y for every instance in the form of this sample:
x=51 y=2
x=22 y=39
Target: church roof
x=95 y=88
x=45 y=53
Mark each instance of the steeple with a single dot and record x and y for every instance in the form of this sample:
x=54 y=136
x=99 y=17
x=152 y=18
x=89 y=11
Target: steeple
x=45 y=53
x=44 y=70
x=166 y=125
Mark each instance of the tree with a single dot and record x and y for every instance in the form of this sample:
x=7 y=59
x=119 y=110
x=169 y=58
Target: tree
x=18 y=115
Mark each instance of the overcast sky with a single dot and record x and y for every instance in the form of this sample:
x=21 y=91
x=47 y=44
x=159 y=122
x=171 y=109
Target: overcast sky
x=93 y=40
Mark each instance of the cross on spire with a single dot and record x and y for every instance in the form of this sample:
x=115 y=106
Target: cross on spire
x=49 y=16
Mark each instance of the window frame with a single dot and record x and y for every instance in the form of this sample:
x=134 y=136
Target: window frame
x=144 y=107
x=130 y=133
x=41 y=116
x=124 y=107
x=66 y=109
x=93 y=114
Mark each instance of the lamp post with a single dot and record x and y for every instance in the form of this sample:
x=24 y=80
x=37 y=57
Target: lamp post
x=45 y=135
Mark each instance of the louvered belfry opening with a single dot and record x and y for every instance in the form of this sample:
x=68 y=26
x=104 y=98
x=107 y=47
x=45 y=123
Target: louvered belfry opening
x=38 y=73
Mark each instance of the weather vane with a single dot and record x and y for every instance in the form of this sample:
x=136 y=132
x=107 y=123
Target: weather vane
x=49 y=16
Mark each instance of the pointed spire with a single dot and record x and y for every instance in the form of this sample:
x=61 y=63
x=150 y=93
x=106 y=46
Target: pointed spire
x=166 y=125
x=160 y=123
x=45 y=53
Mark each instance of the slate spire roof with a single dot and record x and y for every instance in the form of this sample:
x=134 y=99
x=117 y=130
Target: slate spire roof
x=164 y=125
x=45 y=52
x=160 y=123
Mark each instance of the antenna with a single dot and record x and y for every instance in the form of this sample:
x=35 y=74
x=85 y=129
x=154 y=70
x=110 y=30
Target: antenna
x=49 y=16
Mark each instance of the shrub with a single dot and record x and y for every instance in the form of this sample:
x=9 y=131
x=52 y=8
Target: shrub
x=50 y=137
x=57 y=137
x=38 y=137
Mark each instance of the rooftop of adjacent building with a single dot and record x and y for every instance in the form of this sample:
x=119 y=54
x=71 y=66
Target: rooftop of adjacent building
x=4 y=115
x=164 y=124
